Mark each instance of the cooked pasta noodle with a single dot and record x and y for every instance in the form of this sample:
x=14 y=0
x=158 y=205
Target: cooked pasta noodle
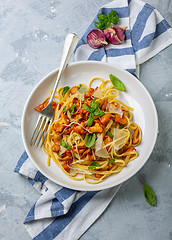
x=92 y=135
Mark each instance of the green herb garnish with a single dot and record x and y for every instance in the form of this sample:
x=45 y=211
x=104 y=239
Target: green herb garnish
x=105 y=21
x=64 y=109
x=117 y=83
x=92 y=101
x=64 y=144
x=149 y=195
x=65 y=89
x=93 y=110
x=94 y=165
x=122 y=126
x=87 y=108
x=90 y=120
x=71 y=109
x=90 y=140
x=109 y=134
x=99 y=112
x=111 y=160
x=94 y=106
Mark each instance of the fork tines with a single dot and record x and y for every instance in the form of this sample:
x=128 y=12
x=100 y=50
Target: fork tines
x=40 y=130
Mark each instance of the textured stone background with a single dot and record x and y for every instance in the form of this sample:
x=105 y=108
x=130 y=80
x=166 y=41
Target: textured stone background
x=32 y=34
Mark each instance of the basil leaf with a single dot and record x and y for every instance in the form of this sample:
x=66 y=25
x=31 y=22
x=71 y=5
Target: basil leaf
x=64 y=109
x=101 y=17
x=71 y=109
x=90 y=120
x=80 y=85
x=111 y=160
x=112 y=14
x=105 y=21
x=93 y=165
x=87 y=108
x=99 y=112
x=107 y=24
x=65 y=89
x=109 y=134
x=117 y=83
x=100 y=25
x=65 y=145
x=90 y=140
x=115 y=20
x=94 y=106
x=92 y=101
x=149 y=195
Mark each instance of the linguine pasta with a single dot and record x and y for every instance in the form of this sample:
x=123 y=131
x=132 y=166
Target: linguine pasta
x=92 y=135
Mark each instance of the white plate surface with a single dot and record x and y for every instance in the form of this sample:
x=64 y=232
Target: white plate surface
x=136 y=96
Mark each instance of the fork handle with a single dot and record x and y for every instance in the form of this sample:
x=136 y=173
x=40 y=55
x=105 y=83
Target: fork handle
x=69 y=47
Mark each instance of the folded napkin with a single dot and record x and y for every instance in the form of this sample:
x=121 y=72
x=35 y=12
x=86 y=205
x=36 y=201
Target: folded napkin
x=62 y=213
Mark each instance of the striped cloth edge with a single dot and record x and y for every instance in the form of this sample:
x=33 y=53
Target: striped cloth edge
x=62 y=213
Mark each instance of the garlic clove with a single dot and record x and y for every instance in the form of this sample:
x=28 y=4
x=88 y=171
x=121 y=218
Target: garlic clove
x=96 y=39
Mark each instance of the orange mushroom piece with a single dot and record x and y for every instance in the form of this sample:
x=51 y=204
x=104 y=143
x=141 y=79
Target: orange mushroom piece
x=105 y=118
x=89 y=157
x=56 y=138
x=130 y=149
x=96 y=128
x=85 y=153
x=74 y=90
x=104 y=105
x=44 y=104
x=58 y=125
x=97 y=175
x=66 y=167
x=90 y=92
x=136 y=136
x=120 y=120
x=55 y=147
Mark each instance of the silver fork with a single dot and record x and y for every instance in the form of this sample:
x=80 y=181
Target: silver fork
x=47 y=114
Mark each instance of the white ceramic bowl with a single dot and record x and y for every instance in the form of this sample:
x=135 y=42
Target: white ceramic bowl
x=136 y=96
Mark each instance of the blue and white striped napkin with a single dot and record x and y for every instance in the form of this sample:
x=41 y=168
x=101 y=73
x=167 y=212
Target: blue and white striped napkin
x=147 y=33
x=62 y=213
